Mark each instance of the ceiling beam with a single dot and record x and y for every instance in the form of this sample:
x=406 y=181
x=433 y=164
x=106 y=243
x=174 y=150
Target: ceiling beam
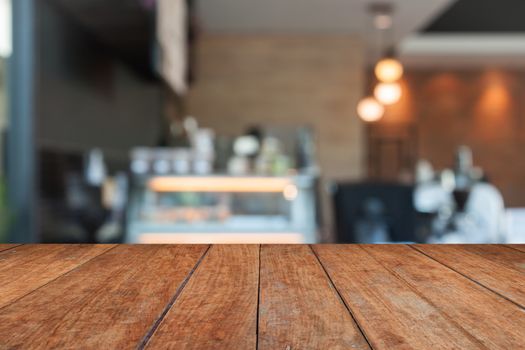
x=439 y=50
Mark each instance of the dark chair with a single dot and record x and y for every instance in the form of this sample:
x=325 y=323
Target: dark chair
x=386 y=207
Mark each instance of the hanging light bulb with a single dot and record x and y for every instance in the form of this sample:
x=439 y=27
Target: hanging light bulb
x=388 y=70
x=370 y=110
x=387 y=93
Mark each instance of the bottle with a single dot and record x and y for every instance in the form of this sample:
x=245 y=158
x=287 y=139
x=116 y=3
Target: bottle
x=95 y=168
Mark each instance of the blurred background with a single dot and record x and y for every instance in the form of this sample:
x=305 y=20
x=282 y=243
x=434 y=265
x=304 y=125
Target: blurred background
x=278 y=121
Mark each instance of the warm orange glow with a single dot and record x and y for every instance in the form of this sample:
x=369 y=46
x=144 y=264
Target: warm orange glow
x=495 y=100
x=495 y=107
x=221 y=238
x=388 y=93
x=219 y=184
x=388 y=70
x=446 y=91
x=402 y=111
x=370 y=110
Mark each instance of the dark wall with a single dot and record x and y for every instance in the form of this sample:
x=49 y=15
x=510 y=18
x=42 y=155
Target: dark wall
x=87 y=97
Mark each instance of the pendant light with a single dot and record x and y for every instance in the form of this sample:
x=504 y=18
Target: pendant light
x=388 y=93
x=370 y=110
x=388 y=70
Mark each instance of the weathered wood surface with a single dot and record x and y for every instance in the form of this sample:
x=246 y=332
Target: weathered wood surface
x=107 y=303
x=492 y=320
x=7 y=246
x=520 y=247
x=390 y=312
x=497 y=268
x=218 y=307
x=262 y=297
x=26 y=268
x=314 y=317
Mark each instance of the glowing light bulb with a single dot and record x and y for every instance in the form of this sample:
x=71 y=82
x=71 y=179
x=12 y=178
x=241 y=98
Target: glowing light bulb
x=387 y=93
x=388 y=70
x=370 y=110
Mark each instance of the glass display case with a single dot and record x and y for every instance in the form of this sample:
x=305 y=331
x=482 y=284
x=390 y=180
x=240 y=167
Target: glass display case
x=223 y=209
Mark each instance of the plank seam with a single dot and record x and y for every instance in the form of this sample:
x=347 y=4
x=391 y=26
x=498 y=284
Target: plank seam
x=422 y=296
x=8 y=249
x=149 y=334
x=467 y=277
x=510 y=246
x=59 y=276
x=258 y=300
x=348 y=308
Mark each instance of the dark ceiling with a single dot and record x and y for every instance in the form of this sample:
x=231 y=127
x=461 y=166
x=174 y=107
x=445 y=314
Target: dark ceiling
x=481 y=16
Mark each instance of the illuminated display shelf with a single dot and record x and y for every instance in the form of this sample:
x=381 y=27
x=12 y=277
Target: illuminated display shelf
x=292 y=218
x=219 y=184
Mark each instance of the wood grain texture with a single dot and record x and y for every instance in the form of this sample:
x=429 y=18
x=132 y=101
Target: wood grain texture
x=262 y=297
x=6 y=246
x=498 y=268
x=299 y=308
x=110 y=302
x=493 y=321
x=520 y=247
x=218 y=307
x=391 y=314
x=26 y=268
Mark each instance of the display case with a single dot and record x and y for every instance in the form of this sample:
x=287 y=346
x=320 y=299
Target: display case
x=223 y=209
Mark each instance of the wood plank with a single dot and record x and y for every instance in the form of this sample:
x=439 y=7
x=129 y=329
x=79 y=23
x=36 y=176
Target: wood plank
x=218 y=307
x=6 y=246
x=492 y=254
x=492 y=320
x=26 y=268
x=299 y=308
x=498 y=253
x=111 y=302
x=520 y=247
x=391 y=314
x=496 y=267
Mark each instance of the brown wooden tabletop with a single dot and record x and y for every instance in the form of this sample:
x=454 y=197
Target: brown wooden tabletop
x=262 y=297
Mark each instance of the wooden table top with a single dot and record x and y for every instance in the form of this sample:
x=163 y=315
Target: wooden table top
x=262 y=297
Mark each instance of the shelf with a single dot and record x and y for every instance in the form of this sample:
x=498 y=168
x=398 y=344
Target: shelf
x=221 y=238
x=250 y=184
